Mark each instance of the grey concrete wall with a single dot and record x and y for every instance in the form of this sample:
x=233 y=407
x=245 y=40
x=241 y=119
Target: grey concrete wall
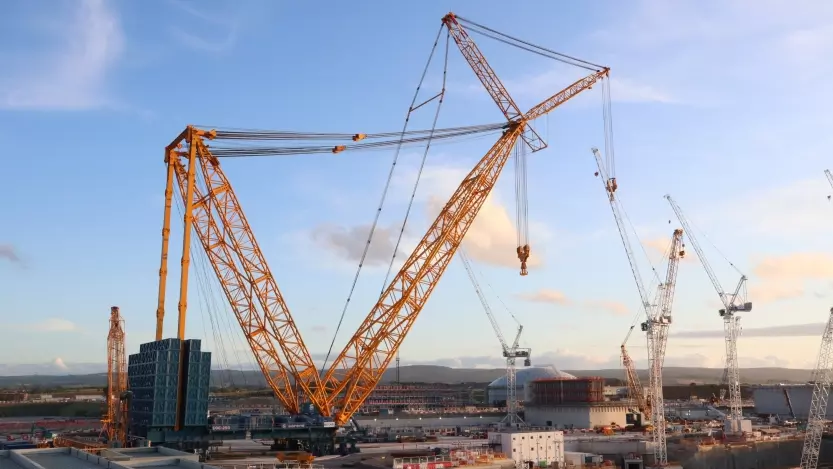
x=23 y=461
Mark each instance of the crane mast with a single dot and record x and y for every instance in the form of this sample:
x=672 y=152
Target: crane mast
x=656 y=328
x=115 y=424
x=248 y=284
x=366 y=356
x=822 y=379
x=510 y=353
x=732 y=303
x=500 y=95
x=635 y=389
x=658 y=316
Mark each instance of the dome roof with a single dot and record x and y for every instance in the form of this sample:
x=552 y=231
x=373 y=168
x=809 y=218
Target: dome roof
x=525 y=375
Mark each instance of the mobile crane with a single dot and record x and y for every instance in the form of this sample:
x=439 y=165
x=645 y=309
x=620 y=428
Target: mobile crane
x=213 y=212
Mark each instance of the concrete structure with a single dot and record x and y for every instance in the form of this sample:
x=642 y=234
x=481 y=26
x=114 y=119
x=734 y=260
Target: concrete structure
x=122 y=458
x=577 y=416
x=535 y=446
x=497 y=389
x=89 y=398
x=776 y=400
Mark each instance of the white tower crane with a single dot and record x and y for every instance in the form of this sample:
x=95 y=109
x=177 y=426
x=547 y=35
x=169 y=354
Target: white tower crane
x=732 y=303
x=656 y=328
x=822 y=379
x=510 y=353
x=655 y=395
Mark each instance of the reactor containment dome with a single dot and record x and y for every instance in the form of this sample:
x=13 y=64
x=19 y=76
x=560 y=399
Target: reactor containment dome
x=497 y=388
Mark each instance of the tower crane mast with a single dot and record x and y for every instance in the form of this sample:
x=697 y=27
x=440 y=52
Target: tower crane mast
x=510 y=353
x=658 y=316
x=822 y=380
x=656 y=328
x=732 y=303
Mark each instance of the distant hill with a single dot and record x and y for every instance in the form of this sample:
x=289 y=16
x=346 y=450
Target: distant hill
x=437 y=374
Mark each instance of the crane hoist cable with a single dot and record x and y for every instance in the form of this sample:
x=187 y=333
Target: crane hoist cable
x=365 y=142
x=429 y=135
x=421 y=167
x=527 y=46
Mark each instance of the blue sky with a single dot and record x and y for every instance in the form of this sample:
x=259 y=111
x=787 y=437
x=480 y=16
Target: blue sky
x=723 y=104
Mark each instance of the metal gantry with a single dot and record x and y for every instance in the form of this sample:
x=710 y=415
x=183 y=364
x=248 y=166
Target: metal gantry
x=510 y=353
x=732 y=304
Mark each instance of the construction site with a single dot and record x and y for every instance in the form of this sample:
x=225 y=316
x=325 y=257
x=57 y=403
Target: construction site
x=159 y=406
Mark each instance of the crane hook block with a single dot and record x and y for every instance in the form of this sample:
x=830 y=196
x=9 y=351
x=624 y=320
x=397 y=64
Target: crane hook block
x=339 y=148
x=523 y=255
x=358 y=137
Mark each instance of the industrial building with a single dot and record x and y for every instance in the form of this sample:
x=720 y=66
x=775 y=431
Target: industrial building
x=571 y=403
x=544 y=448
x=497 y=389
x=785 y=400
x=417 y=397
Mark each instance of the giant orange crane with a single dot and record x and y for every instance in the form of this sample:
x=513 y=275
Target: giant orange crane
x=213 y=212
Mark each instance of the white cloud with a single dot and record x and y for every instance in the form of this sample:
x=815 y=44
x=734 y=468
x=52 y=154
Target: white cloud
x=52 y=325
x=9 y=253
x=351 y=243
x=793 y=209
x=223 y=28
x=72 y=75
x=789 y=330
x=59 y=363
x=545 y=295
x=707 y=51
x=613 y=307
x=492 y=238
x=625 y=90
